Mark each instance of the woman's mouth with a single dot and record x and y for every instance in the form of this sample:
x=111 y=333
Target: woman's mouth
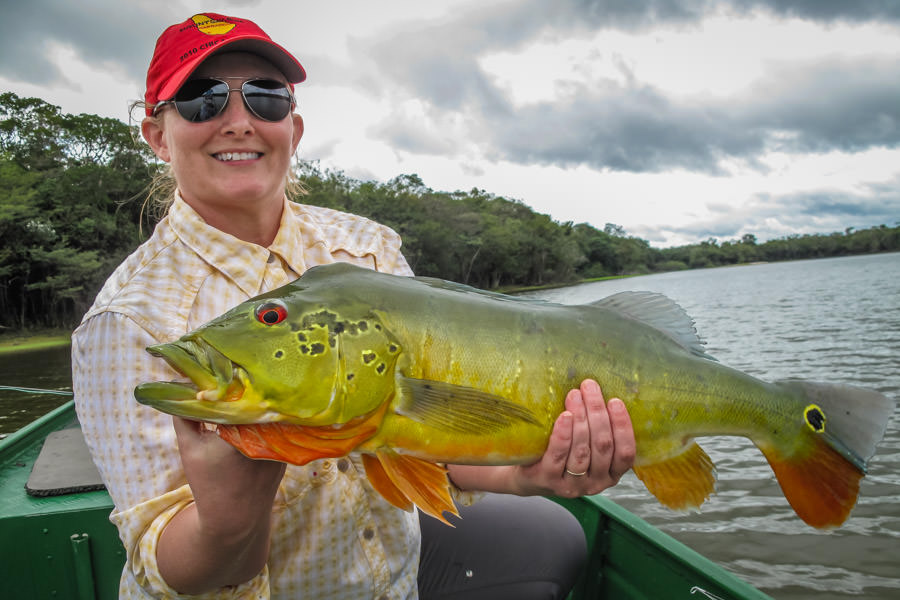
x=232 y=156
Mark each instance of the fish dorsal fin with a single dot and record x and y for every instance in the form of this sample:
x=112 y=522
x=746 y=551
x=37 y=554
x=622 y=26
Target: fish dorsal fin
x=411 y=481
x=660 y=312
x=458 y=408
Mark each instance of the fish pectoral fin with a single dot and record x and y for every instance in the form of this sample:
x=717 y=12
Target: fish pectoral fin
x=683 y=481
x=458 y=408
x=411 y=481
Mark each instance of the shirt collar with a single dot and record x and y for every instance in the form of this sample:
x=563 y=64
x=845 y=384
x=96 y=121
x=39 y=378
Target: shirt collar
x=242 y=262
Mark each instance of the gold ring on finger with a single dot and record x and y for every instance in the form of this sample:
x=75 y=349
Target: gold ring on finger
x=576 y=474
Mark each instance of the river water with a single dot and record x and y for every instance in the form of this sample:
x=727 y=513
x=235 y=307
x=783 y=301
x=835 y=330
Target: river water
x=834 y=320
x=829 y=320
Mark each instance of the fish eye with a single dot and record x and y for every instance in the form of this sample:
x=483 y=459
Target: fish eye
x=271 y=313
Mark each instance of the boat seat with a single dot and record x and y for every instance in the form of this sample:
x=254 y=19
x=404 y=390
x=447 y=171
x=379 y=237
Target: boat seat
x=64 y=466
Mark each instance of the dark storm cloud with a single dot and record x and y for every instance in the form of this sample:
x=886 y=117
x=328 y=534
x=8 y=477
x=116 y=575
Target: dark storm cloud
x=826 y=11
x=849 y=105
x=623 y=128
x=108 y=33
x=843 y=104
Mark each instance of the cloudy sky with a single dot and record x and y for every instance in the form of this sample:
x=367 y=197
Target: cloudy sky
x=679 y=120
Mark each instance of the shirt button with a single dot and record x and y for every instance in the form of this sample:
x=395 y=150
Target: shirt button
x=343 y=465
x=368 y=533
x=271 y=258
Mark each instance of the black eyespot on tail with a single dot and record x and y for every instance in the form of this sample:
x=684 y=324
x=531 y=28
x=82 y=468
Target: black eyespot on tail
x=815 y=418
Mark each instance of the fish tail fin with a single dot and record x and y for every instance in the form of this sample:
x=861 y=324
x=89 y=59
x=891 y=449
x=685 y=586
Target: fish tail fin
x=820 y=465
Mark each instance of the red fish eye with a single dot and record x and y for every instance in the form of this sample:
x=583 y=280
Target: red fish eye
x=271 y=313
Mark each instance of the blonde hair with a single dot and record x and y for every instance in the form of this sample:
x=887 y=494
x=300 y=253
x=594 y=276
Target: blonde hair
x=161 y=190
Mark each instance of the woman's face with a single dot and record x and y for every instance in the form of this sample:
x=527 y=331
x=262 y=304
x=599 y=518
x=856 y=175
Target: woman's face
x=234 y=161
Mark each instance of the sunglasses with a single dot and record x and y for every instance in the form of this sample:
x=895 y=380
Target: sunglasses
x=200 y=100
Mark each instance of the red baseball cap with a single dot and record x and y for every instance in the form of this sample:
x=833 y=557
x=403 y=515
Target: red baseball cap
x=182 y=47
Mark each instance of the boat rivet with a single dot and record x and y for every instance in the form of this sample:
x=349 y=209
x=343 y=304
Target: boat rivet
x=45 y=531
x=470 y=573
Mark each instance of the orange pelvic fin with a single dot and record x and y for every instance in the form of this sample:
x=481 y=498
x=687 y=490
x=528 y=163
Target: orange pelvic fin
x=682 y=482
x=820 y=484
x=274 y=441
x=420 y=482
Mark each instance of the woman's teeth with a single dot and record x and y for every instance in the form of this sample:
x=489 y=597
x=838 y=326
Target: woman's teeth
x=226 y=156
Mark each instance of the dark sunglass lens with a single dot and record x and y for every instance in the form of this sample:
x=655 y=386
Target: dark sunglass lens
x=200 y=100
x=269 y=100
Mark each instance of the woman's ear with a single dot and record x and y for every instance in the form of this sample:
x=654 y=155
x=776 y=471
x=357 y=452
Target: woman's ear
x=298 y=131
x=152 y=130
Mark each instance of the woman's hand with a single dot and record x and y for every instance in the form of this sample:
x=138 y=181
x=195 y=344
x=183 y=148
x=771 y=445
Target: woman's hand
x=592 y=445
x=223 y=538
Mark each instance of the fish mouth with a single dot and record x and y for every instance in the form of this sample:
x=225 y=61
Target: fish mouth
x=216 y=392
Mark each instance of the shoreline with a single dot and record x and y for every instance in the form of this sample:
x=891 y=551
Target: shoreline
x=21 y=341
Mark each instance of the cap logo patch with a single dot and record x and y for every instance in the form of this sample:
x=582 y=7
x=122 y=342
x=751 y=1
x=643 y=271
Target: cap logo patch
x=211 y=26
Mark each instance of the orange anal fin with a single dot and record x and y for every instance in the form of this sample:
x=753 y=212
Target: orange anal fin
x=383 y=484
x=423 y=483
x=820 y=484
x=682 y=482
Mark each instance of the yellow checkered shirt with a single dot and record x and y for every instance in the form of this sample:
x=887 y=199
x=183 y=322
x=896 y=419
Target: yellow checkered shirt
x=333 y=535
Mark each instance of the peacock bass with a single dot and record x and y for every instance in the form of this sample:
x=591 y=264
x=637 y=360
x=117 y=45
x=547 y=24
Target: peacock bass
x=416 y=372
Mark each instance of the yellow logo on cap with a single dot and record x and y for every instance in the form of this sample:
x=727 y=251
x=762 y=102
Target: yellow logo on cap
x=211 y=26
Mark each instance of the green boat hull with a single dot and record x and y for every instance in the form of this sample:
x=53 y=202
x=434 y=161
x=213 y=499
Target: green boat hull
x=64 y=546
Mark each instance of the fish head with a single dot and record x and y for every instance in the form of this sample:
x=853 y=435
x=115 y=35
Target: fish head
x=283 y=357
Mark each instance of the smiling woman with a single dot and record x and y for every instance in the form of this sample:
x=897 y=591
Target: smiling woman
x=196 y=515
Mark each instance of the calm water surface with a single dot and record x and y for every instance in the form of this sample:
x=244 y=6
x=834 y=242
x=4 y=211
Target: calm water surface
x=48 y=369
x=829 y=320
x=832 y=320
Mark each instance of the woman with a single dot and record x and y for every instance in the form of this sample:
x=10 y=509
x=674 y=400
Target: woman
x=195 y=515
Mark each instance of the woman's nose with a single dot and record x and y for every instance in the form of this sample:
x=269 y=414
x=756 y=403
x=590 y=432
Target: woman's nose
x=237 y=116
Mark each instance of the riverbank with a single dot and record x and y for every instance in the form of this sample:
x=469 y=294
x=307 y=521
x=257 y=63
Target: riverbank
x=33 y=340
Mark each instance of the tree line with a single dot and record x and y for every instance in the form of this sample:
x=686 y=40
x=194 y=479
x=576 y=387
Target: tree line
x=72 y=190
